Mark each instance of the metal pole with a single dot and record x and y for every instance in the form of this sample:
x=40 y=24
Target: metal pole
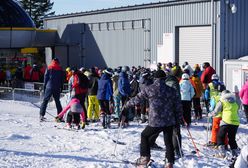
x=213 y=34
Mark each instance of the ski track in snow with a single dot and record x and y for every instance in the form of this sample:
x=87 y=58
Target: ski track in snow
x=27 y=143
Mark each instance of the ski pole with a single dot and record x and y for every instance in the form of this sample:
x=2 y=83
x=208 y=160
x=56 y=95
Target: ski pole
x=180 y=149
x=46 y=111
x=207 y=128
x=197 y=150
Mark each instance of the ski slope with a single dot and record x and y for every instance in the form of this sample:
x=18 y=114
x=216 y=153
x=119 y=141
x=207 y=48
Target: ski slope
x=27 y=143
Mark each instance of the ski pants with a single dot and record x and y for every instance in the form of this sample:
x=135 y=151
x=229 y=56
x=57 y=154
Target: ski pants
x=175 y=138
x=104 y=104
x=117 y=104
x=48 y=94
x=231 y=131
x=73 y=117
x=187 y=111
x=151 y=131
x=81 y=98
x=125 y=112
x=215 y=130
x=93 y=107
x=197 y=107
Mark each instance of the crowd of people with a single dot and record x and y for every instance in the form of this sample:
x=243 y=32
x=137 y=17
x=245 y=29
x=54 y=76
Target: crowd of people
x=163 y=98
x=16 y=76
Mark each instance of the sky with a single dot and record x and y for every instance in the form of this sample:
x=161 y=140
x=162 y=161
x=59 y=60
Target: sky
x=72 y=6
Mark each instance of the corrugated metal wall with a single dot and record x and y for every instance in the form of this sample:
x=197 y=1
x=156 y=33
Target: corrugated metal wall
x=163 y=19
x=234 y=28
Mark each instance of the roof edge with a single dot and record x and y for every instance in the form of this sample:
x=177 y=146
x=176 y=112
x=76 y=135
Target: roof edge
x=125 y=8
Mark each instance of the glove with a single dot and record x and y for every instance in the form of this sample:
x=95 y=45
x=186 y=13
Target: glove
x=57 y=119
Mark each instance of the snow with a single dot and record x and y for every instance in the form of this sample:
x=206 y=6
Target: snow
x=26 y=143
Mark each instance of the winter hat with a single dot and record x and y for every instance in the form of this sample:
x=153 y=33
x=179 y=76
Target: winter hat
x=185 y=76
x=125 y=69
x=56 y=60
x=215 y=77
x=108 y=71
x=159 y=74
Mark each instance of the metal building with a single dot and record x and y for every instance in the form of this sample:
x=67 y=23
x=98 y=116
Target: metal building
x=181 y=30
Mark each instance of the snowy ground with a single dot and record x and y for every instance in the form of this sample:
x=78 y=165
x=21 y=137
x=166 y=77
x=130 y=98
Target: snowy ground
x=25 y=142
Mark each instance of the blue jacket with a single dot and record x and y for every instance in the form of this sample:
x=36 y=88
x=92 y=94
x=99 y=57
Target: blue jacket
x=54 y=77
x=105 y=89
x=186 y=90
x=124 y=85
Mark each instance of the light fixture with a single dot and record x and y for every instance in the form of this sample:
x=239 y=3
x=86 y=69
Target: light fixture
x=233 y=8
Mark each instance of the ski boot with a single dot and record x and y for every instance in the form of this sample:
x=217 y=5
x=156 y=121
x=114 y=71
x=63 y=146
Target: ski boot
x=108 y=118
x=142 y=162
x=103 y=120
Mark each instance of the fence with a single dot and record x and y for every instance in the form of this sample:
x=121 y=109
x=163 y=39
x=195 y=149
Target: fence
x=32 y=92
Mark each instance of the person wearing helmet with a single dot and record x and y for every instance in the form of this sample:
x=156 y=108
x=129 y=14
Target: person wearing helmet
x=215 y=119
x=228 y=108
x=211 y=89
x=68 y=74
x=124 y=89
x=187 y=93
x=207 y=73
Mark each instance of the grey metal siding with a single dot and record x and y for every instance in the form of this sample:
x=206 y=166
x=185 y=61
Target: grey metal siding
x=164 y=19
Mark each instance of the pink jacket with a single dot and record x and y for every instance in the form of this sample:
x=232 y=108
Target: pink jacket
x=73 y=101
x=243 y=94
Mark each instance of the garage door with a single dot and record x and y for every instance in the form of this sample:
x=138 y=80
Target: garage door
x=195 y=45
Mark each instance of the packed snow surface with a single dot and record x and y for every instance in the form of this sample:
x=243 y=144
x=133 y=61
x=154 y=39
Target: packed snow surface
x=27 y=143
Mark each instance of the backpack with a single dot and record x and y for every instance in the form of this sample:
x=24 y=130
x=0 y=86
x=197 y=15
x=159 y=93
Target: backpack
x=83 y=81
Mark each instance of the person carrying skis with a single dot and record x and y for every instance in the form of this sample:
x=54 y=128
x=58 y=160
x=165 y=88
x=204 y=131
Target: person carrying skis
x=165 y=111
x=227 y=107
x=74 y=111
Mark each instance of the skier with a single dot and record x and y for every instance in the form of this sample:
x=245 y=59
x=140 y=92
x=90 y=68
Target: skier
x=217 y=118
x=187 y=93
x=74 y=111
x=164 y=112
x=93 y=107
x=244 y=97
x=104 y=95
x=124 y=91
x=196 y=82
x=227 y=107
x=53 y=85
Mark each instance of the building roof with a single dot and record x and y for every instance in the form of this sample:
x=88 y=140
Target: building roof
x=125 y=8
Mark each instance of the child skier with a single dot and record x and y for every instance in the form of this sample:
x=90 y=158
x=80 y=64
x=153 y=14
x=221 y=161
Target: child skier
x=73 y=111
x=227 y=107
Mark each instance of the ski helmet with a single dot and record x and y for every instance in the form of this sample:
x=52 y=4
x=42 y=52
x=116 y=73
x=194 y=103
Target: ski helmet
x=215 y=77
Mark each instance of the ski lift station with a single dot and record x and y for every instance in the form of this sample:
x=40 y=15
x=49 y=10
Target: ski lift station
x=195 y=31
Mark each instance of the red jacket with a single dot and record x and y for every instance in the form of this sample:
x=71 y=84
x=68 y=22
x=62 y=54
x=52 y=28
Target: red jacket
x=27 y=70
x=207 y=74
x=76 y=87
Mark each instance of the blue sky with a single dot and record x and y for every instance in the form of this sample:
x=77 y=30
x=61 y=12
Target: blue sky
x=72 y=6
